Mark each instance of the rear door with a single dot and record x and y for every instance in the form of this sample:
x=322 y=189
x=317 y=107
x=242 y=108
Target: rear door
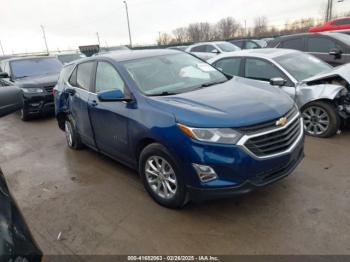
x=79 y=88
x=109 y=119
x=320 y=46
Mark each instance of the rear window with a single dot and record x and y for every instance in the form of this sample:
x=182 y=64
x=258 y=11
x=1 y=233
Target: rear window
x=345 y=21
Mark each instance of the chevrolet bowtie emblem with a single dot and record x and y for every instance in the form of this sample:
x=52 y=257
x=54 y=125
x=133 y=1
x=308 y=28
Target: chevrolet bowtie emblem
x=282 y=121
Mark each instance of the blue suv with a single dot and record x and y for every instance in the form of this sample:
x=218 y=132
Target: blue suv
x=191 y=131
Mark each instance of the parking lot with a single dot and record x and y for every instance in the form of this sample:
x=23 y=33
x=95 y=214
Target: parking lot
x=98 y=206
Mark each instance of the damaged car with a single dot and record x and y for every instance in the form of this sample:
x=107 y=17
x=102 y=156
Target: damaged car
x=191 y=131
x=320 y=91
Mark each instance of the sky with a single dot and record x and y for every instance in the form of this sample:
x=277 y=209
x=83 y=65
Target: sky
x=70 y=23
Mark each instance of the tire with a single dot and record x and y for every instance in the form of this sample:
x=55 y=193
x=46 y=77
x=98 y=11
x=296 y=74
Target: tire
x=321 y=119
x=24 y=115
x=164 y=178
x=72 y=136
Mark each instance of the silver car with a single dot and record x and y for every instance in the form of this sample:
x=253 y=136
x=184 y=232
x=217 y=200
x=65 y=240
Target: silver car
x=321 y=91
x=207 y=50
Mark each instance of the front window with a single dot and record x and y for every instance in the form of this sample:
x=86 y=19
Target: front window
x=35 y=67
x=172 y=74
x=227 y=47
x=302 y=66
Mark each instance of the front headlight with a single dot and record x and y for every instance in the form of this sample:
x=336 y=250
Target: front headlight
x=212 y=135
x=32 y=90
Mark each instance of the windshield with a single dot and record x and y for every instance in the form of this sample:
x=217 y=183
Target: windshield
x=302 y=66
x=35 y=66
x=227 y=47
x=172 y=74
x=69 y=57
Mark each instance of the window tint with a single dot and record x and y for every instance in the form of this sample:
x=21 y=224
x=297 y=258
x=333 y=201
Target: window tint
x=261 y=70
x=321 y=45
x=210 y=48
x=200 y=48
x=296 y=44
x=229 y=66
x=251 y=45
x=107 y=78
x=238 y=43
x=84 y=75
x=345 y=21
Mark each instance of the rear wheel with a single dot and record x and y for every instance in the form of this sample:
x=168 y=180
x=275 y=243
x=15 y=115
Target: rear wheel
x=161 y=176
x=72 y=136
x=321 y=119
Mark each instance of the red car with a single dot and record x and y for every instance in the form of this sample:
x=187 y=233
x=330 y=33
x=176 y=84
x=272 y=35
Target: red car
x=332 y=25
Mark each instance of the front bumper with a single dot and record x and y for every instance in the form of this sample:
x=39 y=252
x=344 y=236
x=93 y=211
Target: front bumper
x=39 y=104
x=262 y=180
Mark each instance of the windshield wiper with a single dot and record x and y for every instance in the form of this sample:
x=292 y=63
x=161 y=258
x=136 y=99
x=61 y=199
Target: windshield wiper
x=210 y=84
x=20 y=77
x=165 y=93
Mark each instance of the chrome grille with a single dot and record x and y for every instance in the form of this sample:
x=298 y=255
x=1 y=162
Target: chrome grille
x=268 y=125
x=278 y=140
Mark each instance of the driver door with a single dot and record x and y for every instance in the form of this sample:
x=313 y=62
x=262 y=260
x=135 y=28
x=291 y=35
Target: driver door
x=109 y=119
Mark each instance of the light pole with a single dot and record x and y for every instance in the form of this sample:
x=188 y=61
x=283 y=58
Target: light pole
x=127 y=17
x=2 y=49
x=44 y=36
x=329 y=12
x=98 y=38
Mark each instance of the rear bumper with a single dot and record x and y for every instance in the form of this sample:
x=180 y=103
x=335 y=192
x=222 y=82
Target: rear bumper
x=200 y=194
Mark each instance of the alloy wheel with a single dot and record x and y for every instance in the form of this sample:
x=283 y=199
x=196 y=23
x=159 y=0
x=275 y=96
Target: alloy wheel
x=316 y=120
x=161 y=177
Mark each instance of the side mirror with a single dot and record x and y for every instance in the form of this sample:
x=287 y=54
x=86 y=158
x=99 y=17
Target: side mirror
x=278 y=81
x=336 y=53
x=215 y=51
x=4 y=75
x=113 y=96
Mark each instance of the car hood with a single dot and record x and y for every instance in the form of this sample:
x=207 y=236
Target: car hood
x=231 y=104
x=343 y=71
x=38 y=81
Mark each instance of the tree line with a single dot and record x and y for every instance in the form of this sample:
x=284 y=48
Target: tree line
x=229 y=28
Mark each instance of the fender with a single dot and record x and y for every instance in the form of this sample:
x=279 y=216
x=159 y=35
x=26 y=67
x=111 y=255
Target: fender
x=307 y=94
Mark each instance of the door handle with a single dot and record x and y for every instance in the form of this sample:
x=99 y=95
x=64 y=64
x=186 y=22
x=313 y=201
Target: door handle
x=94 y=103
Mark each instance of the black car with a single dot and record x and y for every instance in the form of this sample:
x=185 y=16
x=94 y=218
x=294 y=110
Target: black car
x=333 y=48
x=11 y=98
x=249 y=43
x=36 y=76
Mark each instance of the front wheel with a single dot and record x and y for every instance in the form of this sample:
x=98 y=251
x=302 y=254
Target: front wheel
x=161 y=176
x=320 y=119
x=24 y=115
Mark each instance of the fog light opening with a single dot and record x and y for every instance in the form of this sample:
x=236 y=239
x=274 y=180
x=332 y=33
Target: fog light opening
x=205 y=173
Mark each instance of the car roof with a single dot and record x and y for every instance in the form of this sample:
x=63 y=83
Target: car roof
x=267 y=53
x=129 y=55
x=28 y=58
